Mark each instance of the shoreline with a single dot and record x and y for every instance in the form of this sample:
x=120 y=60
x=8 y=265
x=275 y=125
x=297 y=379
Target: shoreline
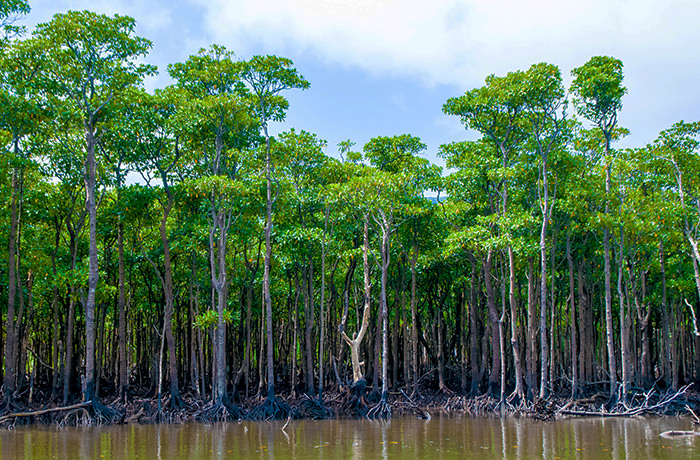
x=344 y=405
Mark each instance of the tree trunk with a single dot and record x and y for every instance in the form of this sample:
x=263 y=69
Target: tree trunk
x=169 y=303
x=322 y=319
x=295 y=320
x=123 y=364
x=517 y=365
x=267 y=266
x=414 y=327
x=609 y=332
x=572 y=320
x=385 y=255
x=531 y=330
x=10 y=344
x=355 y=342
x=220 y=280
x=544 y=349
x=667 y=339
x=195 y=363
x=307 y=289
x=476 y=366
x=55 y=354
x=494 y=375
x=645 y=374
x=624 y=322
x=93 y=272
x=440 y=348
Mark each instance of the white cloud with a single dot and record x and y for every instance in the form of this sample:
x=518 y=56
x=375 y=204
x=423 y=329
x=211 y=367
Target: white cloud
x=452 y=41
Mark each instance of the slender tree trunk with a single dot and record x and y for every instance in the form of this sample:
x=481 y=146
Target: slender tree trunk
x=585 y=329
x=395 y=340
x=517 y=365
x=531 y=331
x=377 y=360
x=643 y=316
x=438 y=325
x=414 y=326
x=494 y=376
x=462 y=331
x=55 y=354
x=624 y=322
x=93 y=272
x=220 y=329
x=295 y=320
x=68 y=366
x=10 y=344
x=267 y=265
x=195 y=363
x=609 y=334
x=307 y=283
x=386 y=255
x=501 y=335
x=169 y=304
x=572 y=321
x=322 y=319
x=123 y=364
x=544 y=349
x=404 y=332
x=252 y=270
x=355 y=342
x=675 y=358
x=20 y=357
x=474 y=336
x=667 y=339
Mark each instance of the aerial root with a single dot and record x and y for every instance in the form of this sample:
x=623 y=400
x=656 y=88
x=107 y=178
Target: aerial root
x=314 y=408
x=271 y=409
x=221 y=411
x=649 y=402
x=355 y=404
x=381 y=411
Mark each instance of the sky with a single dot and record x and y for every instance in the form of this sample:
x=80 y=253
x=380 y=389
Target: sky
x=386 y=67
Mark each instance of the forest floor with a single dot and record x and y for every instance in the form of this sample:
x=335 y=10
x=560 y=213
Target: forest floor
x=349 y=404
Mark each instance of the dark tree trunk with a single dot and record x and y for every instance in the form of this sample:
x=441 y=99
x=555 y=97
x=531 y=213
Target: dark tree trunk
x=495 y=374
x=572 y=320
x=267 y=266
x=11 y=341
x=169 y=304
x=667 y=338
x=123 y=364
x=308 y=290
x=414 y=326
x=531 y=331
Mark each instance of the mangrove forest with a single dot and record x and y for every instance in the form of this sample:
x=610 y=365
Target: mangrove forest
x=167 y=254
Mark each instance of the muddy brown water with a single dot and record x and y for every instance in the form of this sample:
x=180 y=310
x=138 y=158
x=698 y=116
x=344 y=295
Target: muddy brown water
x=442 y=437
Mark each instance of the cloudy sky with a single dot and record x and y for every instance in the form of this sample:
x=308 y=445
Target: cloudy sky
x=385 y=67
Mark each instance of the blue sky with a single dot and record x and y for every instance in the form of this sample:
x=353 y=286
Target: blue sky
x=385 y=67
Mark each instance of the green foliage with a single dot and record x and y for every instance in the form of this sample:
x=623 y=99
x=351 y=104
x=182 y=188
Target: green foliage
x=393 y=154
x=10 y=11
x=598 y=90
x=94 y=58
x=203 y=153
x=495 y=110
x=210 y=318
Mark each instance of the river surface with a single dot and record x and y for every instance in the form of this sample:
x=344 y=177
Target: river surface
x=442 y=437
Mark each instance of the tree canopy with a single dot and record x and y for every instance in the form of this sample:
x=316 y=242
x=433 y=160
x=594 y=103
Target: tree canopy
x=170 y=244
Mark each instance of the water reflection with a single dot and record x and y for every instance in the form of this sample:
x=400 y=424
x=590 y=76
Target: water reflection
x=441 y=438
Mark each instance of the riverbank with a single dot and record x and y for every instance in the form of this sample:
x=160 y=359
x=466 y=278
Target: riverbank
x=347 y=404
